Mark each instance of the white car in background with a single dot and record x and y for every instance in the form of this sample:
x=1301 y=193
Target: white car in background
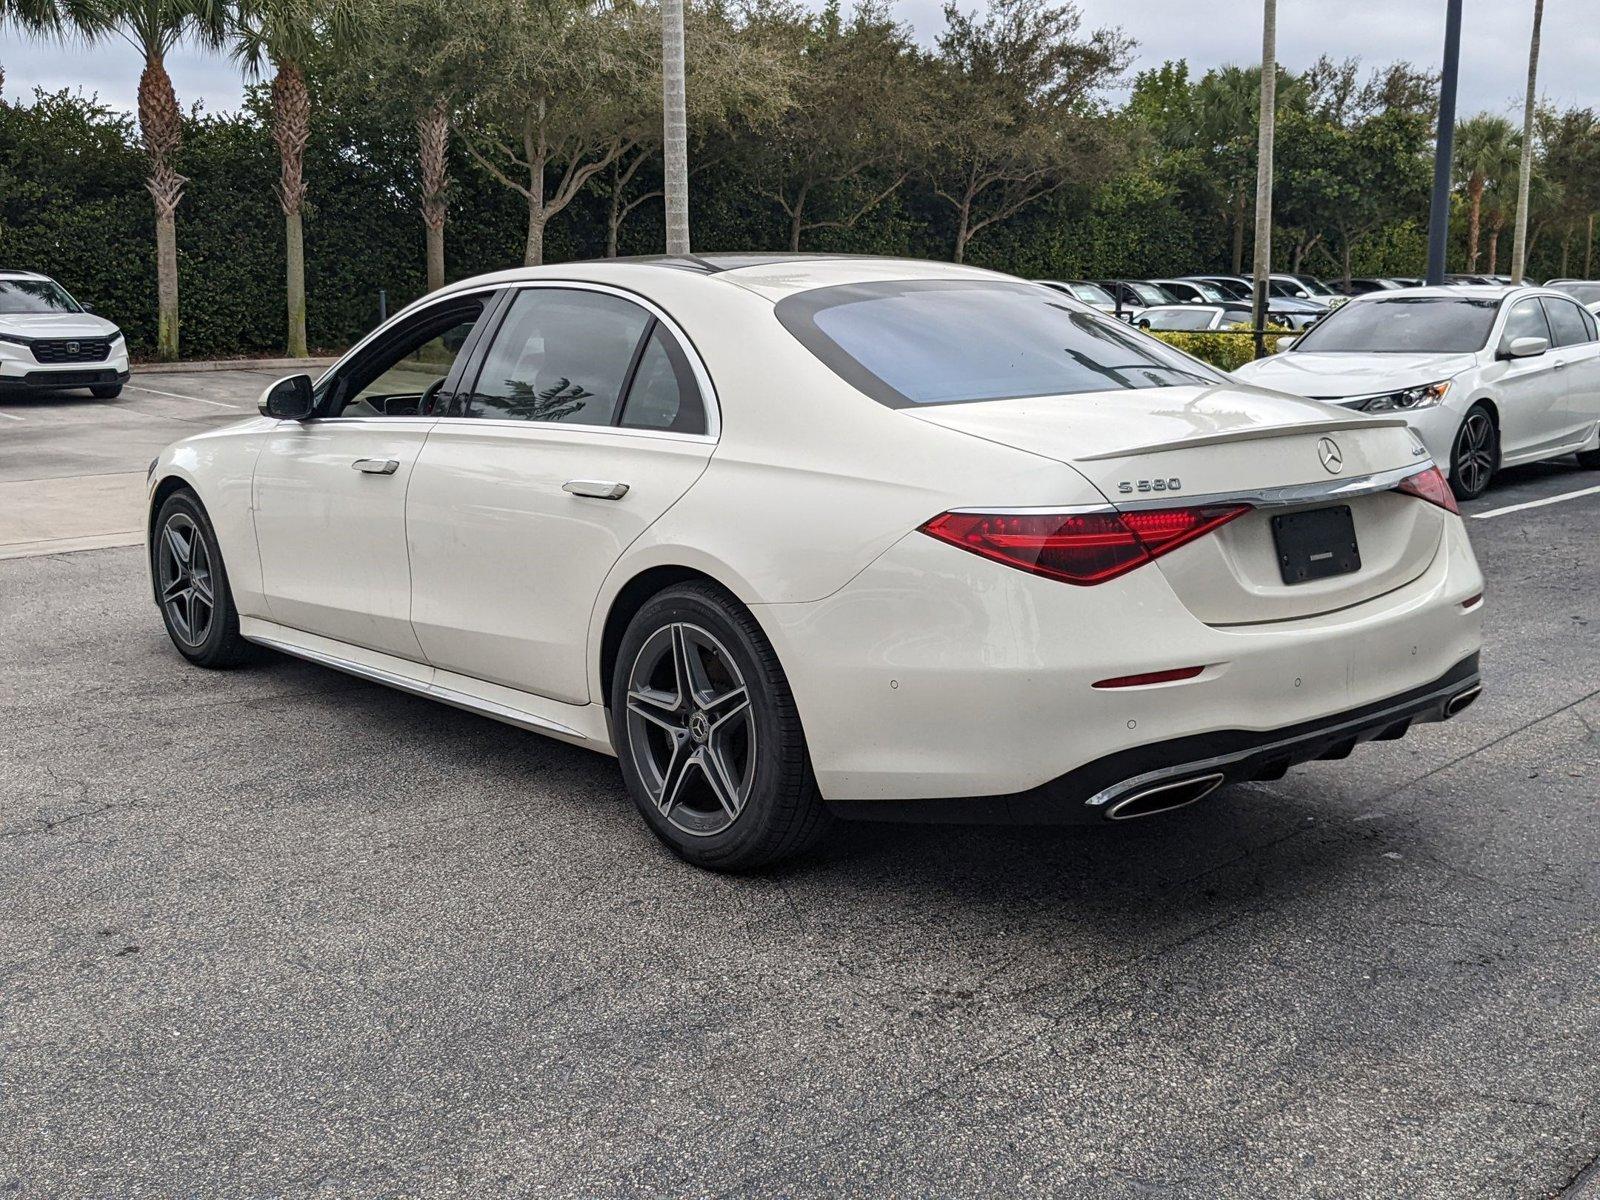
x=50 y=342
x=1487 y=376
x=796 y=534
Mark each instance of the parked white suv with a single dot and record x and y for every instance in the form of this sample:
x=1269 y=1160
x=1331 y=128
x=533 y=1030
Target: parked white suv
x=1487 y=376
x=48 y=341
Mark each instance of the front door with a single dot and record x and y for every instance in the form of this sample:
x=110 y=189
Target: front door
x=1530 y=391
x=586 y=422
x=329 y=493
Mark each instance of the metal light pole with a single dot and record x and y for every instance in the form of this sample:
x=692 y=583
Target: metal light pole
x=1519 y=237
x=1269 y=99
x=1444 y=145
x=675 y=134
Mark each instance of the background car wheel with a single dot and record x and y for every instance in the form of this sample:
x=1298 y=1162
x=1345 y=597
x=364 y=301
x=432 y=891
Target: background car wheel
x=708 y=736
x=1475 y=454
x=192 y=585
x=106 y=391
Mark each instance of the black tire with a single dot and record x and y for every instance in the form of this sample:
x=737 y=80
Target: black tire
x=1477 y=437
x=1589 y=459
x=106 y=391
x=777 y=811
x=205 y=631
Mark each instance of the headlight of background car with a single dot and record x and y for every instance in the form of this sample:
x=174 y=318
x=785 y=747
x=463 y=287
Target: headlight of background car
x=1425 y=396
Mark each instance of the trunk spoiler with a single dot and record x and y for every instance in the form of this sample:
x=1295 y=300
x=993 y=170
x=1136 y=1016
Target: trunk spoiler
x=1322 y=425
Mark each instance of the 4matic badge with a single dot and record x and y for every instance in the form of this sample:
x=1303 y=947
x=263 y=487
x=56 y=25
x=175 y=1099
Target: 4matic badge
x=1129 y=486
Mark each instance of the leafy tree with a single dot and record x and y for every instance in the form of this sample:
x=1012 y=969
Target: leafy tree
x=1017 y=114
x=151 y=27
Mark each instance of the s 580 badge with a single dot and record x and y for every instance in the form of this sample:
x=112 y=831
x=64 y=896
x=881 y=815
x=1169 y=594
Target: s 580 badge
x=1128 y=486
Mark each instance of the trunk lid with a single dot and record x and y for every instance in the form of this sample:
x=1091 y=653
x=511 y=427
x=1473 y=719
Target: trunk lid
x=1172 y=447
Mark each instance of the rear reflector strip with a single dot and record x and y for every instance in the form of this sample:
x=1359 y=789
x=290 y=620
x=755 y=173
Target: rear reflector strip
x=1472 y=600
x=1149 y=677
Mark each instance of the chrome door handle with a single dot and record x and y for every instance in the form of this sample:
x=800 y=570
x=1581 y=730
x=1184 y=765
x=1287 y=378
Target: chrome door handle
x=1560 y=365
x=376 y=466
x=600 y=489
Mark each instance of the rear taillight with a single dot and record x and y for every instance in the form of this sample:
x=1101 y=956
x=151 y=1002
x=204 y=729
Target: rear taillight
x=1431 y=486
x=1079 y=548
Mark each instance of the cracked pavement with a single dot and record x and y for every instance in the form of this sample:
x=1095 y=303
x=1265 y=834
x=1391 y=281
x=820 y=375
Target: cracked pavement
x=279 y=931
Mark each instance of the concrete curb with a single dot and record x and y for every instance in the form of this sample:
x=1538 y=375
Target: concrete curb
x=233 y=364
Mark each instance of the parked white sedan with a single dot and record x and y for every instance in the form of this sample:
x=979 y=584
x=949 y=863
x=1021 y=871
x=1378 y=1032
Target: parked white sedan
x=793 y=536
x=1488 y=376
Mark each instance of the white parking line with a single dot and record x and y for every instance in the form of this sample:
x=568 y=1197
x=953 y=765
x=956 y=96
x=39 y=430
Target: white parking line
x=1511 y=508
x=139 y=387
x=12 y=416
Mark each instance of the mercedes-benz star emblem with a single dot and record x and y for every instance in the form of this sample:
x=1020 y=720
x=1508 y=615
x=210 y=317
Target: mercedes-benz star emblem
x=1330 y=454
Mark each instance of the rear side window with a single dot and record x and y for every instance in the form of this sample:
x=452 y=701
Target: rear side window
x=663 y=394
x=1567 y=322
x=910 y=342
x=560 y=355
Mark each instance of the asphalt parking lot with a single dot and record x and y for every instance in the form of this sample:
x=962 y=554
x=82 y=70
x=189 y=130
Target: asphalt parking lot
x=279 y=931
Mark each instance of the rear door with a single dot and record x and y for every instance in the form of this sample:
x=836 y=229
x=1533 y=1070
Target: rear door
x=1579 y=355
x=1530 y=391
x=586 y=421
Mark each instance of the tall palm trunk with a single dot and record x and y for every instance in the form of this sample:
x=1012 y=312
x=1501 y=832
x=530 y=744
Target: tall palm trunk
x=1475 y=186
x=291 y=127
x=161 y=129
x=1267 y=128
x=433 y=144
x=675 y=138
x=1519 y=233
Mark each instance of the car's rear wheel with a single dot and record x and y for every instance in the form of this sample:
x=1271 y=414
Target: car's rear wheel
x=106 y=391
x=708 y=735
x=1475 y=454
x=1589 y=459
x=192 y=585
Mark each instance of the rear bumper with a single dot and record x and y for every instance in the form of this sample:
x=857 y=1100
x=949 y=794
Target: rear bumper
x=1092 y=793
x=60 y=378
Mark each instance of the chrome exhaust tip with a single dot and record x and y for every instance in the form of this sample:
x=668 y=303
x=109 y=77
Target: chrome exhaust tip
x=1164 y=797
x=1461 y=700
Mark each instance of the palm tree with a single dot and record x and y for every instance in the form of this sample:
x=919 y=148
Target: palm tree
x=284 y=33
x=675 y=136
x=1486 y=149
x=152 y=27
x=1519 y=235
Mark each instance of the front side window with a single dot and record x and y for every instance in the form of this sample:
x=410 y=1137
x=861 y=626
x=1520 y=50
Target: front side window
x=19 y=296
x=911 y=342
x=1566 y=322
x=401 y=373
x=561 y=355
x=1526 y=319
x=1403 y=325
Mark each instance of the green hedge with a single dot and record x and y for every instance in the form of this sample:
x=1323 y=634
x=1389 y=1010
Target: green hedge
x=1226 y=350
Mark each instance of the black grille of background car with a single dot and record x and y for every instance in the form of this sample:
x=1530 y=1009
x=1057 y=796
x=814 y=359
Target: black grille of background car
x=71 y=350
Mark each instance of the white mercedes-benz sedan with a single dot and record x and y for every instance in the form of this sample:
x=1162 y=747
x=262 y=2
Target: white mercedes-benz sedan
x=1488 y=376
x=802 y=536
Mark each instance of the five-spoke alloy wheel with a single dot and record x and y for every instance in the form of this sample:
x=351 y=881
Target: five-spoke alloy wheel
x=192 y=584
x=707 y=733
x=1472 y=462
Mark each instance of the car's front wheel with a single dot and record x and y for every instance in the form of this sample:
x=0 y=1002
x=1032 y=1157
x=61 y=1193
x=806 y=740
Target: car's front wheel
x=106 y=391
x=192 y=585
x=708 y=735
x=1475 y=454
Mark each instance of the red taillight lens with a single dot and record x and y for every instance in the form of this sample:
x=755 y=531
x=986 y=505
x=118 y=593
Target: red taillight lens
x=1149 y=677
x=1431 y=486
x=1079 y=548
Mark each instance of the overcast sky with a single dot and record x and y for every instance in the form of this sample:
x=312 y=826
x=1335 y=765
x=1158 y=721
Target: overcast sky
x=1206 y=32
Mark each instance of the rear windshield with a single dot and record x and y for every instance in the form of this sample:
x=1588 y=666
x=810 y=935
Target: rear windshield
x=34 y=296
x=1582 y=291
x=1405 y=324
x=948 y=341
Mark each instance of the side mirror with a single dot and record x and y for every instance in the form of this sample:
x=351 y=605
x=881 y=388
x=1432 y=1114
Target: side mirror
x=88 y=308
x=1526 y=347
x=1283 y=343
x=289 y=399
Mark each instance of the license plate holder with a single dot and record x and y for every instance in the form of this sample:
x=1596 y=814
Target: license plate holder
x=1316 y=544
